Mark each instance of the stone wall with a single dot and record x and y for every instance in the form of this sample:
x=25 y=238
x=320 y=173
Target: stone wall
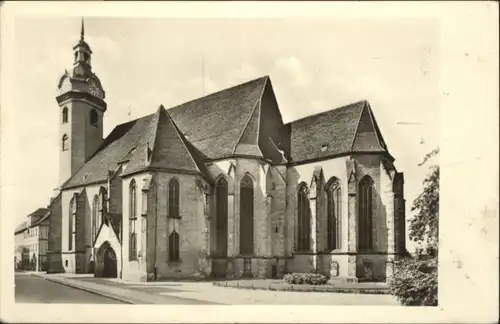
x=269 y=217
x=134 y=270
x=84 y=138
x=83 y=245
x=55 y=264
x=190 y=227
x=304 y=173
x=386 y=226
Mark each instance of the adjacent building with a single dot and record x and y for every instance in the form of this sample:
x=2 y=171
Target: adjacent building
x=221 y=186
x=31 y=241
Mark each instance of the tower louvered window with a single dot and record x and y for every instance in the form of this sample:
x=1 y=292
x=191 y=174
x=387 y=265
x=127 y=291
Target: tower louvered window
x=65 y=115
x=94 y=118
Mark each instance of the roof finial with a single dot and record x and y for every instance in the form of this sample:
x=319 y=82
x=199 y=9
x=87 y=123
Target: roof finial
x=82 y=31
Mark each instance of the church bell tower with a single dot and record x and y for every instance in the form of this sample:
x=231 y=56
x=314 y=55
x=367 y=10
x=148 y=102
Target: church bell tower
x=81 y=110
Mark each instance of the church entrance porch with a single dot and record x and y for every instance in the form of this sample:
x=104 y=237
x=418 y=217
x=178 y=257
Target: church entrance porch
x=105 y=266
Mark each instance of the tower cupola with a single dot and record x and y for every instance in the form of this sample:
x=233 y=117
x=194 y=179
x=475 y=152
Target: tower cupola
x=82 y=55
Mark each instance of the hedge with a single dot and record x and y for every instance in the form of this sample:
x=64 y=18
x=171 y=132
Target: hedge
x=305 y=279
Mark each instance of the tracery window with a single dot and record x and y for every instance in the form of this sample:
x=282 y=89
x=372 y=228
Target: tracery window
x=365 y=214
x=95 y=220
x=221 y=192
x=173 y=247
x=334 y=213
x=173 y=199
x=246 y=215
x=304 y=222
x=132 y=221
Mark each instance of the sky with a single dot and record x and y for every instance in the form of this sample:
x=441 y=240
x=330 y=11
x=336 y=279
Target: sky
x=315 y=64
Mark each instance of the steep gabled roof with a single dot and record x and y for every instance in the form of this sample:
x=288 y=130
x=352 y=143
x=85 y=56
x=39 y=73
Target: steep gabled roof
x=214 y=124
x=171 y=150
x=211 y=127
x=164 y=147
x=344 y=130
x=37 y=218
x=44 y=217
x=368 y=137
x=241 y=120
x=38 y=215
x=139 y=156
x=262 y=135
x=117 y=145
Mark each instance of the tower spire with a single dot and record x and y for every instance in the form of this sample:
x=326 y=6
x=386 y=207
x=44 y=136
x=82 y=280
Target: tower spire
x=82 y=31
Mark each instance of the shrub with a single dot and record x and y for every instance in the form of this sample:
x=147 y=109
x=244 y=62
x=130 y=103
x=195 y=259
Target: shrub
x=415 y=281
x=305 y=279
x=415 y=278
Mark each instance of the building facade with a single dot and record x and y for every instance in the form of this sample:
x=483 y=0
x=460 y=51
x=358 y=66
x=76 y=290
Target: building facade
x=31 y=242
x=220 y=186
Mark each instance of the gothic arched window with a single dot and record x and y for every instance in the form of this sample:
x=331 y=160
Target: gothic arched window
x=72 y=224
x=65 y=142
x=65 y=115
x=365 y=214
x=132 y=250
x=246 y=215
x=221 y=191
x=102 y=206
x=304 y=224
x=132 y=200
x=132 y=221
x=173 y=199
x=94 y=118
x=95 y=221
x=334 y=213
x=173 y=247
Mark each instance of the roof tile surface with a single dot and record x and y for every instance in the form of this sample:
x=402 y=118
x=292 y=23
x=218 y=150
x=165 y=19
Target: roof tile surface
x=241 y=120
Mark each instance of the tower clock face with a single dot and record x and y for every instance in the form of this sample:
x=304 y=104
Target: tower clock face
x=94 y=88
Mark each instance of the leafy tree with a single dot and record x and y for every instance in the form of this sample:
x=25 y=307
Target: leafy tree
x=415 y=278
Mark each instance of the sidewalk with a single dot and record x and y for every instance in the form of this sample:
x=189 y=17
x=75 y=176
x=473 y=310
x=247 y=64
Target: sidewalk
x=117 y=290
x=205 y=292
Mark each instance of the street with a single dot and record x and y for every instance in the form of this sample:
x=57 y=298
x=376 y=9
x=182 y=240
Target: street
x=30 y=289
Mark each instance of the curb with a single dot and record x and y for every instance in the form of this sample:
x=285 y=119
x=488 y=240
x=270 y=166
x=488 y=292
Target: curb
x=89 y=290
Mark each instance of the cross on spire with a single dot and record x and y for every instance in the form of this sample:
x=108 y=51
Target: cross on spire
x=82 y=31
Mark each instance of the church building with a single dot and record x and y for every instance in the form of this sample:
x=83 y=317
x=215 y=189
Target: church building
x=221 y=187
